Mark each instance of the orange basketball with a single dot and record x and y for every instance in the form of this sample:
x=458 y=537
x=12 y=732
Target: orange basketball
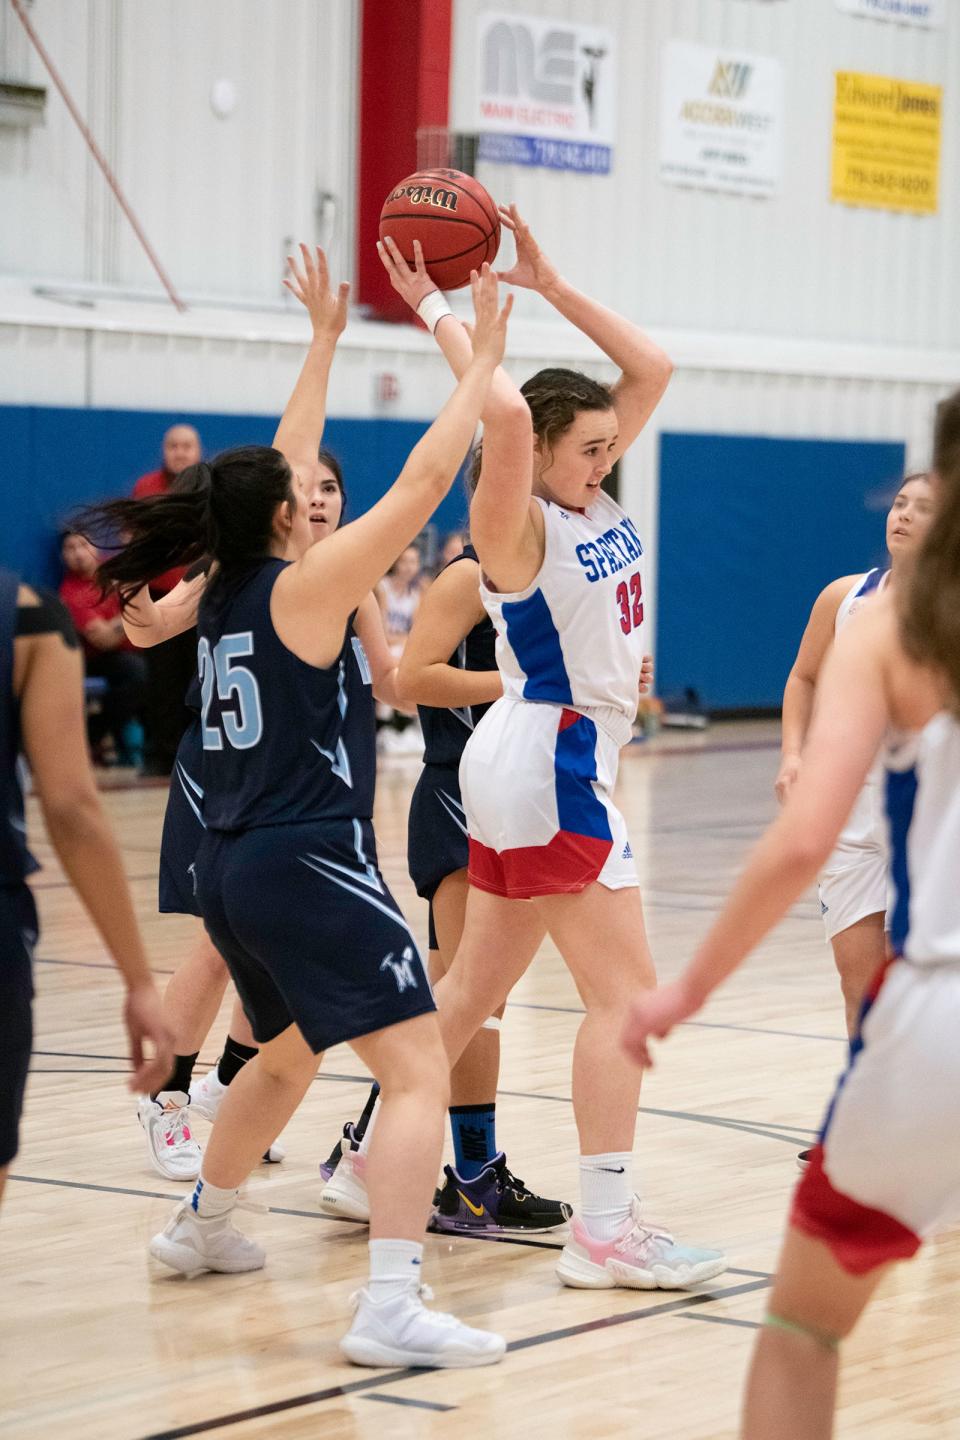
x=451 y=215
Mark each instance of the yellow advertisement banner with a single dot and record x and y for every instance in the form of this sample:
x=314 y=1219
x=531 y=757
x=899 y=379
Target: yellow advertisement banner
x=886 y=143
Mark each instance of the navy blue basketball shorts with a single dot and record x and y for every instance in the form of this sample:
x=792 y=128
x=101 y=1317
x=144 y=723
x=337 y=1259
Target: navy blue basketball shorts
x=18 y=935
x=437 y=841
x=309 y=931
x=183 y=827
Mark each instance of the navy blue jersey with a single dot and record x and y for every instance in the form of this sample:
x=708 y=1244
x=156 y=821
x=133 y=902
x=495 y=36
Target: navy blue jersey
x=283 y=741
x=446 y=732
x=16 y=862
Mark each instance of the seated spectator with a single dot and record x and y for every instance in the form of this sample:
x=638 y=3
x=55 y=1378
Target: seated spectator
x=399 y=595
x=108 y=654
x=171 y=665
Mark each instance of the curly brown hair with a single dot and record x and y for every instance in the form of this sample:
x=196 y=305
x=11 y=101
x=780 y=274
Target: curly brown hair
x=930 y=601
x=555 y=397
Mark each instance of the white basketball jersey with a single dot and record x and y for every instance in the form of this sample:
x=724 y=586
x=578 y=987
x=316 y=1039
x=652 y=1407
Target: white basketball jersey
x=923 y=804
x=866 y=824
x=575 y=635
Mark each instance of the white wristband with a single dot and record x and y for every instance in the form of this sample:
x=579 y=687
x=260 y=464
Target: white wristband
x=432 y=309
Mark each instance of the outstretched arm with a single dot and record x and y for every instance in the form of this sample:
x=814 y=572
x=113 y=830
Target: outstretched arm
x=848 y=725
x=301 y=428
x=346 y=566
x=504 y=524
x=645 y=368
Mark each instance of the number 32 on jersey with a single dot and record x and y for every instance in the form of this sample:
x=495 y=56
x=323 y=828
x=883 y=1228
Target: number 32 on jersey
x=629 y=595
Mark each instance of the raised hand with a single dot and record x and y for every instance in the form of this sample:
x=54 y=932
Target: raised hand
x=311 y=285
x=655 y=1015
x=411 y=285
x=532 y=271
x=488 y=334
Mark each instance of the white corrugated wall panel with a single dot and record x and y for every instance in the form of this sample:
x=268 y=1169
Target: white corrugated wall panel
x=220 y=199
x=794 y=264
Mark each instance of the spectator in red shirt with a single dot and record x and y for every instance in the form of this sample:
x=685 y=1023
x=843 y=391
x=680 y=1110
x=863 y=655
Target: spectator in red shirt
x=107 y=652
x=171 y=665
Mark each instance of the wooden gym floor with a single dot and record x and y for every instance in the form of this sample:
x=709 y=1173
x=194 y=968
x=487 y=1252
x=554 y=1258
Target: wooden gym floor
x=96 y=1340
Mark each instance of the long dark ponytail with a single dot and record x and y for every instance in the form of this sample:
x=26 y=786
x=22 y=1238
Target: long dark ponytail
x=930 y=612
x=223 y=510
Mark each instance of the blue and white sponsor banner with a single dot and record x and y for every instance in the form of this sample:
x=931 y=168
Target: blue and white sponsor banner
x=930 y=14
x=721 y=119
x=546 y=93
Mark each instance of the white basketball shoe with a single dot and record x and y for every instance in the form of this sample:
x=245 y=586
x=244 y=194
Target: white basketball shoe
x=402 y=1331
x=641 y=1257
x=191 y=1244
x=345 y=1193
x=166 y=1123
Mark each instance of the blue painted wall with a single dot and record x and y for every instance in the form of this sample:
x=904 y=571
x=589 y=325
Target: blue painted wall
x=751 y=529
x=55 y=459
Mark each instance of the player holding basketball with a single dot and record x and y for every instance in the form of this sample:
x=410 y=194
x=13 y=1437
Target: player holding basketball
x=853 y=885
x=287 y=878
x=562 y=581
x=449 y=670
x=886 y=1173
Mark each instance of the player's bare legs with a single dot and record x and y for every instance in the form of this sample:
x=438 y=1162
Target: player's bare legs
x=256 y=1107
x=791 y=1389
x=859 y=952
x=601 y=935
x=193 y=995
x=473 y=1079
x=405 y=1147
x=500 y=938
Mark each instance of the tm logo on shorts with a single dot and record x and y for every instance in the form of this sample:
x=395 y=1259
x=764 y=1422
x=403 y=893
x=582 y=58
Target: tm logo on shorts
x=402 y=972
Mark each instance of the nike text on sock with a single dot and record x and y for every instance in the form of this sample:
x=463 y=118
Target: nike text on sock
x=474 y=1131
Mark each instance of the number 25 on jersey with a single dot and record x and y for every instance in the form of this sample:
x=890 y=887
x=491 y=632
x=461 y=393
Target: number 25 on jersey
x=630 y=599
x=219 y=670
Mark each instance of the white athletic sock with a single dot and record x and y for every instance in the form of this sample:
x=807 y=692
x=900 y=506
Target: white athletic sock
x=368 y=1133
x=208 y=1200
x=606 y=1190
x=393 y=1265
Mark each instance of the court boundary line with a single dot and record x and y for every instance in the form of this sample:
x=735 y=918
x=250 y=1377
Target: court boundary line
x=529 y=1342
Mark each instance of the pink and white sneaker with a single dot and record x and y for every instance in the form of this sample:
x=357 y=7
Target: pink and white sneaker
x=170 y=1144
x=640 y=1257
x=345 y=1193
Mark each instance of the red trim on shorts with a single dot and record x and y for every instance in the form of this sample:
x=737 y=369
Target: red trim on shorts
x=568 y=864
x=568 y=718
x=858 y=1237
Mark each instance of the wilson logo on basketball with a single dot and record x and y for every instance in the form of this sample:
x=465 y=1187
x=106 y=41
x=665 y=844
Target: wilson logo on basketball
x=426 y=195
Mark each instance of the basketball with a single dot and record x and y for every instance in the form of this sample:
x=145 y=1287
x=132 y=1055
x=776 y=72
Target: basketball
x=452 y=216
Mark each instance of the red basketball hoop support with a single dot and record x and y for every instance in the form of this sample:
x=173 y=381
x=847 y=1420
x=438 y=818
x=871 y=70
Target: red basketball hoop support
x=404 y=86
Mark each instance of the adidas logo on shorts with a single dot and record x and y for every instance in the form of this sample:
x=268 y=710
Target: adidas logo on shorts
x=627 y=852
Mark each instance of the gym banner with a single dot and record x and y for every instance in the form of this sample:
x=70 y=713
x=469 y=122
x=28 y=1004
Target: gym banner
x=721 y=119
x=886 y=143
x=927 y=13
x=546 y=93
